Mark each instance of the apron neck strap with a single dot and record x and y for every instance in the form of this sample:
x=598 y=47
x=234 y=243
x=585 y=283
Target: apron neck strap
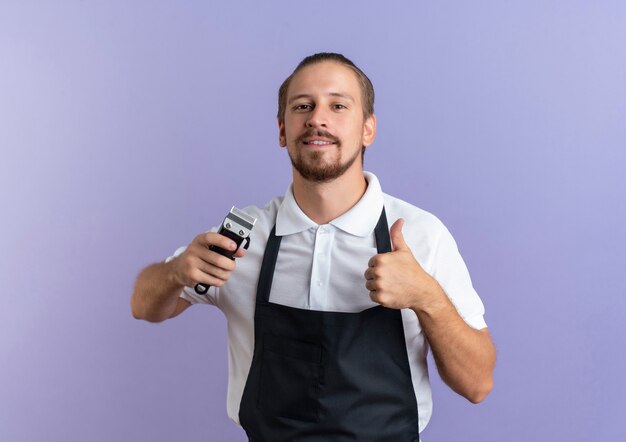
x=381 y=232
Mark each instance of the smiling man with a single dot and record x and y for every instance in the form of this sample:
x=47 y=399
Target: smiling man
x=331 y=312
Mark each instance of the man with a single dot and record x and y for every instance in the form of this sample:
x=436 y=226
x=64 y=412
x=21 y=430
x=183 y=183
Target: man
x=330 y=312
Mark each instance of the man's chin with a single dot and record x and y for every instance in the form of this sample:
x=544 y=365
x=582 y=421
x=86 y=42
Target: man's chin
x=320 y=173
x=317 y=167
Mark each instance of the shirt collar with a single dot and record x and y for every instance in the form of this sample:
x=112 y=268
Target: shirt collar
x=359 y=220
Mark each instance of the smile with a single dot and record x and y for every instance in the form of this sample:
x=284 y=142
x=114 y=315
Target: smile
x=318 y=142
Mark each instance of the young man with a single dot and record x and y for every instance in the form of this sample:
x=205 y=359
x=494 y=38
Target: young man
x=330 y=311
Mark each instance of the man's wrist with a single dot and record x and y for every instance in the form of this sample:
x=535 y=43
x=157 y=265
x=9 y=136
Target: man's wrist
x=171 y=275
x=432 y=301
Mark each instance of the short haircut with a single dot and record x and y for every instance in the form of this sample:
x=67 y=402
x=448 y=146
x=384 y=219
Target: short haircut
x=367 y=89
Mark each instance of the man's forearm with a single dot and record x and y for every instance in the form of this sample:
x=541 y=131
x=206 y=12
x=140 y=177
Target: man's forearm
x=156 y=293
x=465 y=356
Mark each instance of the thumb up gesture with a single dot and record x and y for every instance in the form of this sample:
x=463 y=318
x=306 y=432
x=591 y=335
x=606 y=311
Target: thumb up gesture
x=395 y=279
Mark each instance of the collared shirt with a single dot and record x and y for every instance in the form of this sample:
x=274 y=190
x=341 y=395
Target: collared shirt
x=321 y=267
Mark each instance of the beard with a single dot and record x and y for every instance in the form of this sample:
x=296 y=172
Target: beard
x=320 y=166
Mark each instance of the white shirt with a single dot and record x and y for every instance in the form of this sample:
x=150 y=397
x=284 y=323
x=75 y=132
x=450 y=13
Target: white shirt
x=320 y=267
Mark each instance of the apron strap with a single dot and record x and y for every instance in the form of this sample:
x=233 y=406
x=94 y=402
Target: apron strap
x=381 y=232
x=267 y=267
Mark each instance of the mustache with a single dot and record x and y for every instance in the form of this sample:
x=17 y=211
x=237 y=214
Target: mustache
x=318 y=133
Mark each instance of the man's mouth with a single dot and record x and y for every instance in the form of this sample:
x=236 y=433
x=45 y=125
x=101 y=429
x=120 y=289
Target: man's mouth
x=317 y=142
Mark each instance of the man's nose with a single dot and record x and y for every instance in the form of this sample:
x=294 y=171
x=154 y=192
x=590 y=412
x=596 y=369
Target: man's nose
x=317 y=117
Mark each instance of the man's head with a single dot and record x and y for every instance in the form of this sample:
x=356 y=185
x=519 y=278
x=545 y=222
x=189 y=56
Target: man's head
x=325 y=116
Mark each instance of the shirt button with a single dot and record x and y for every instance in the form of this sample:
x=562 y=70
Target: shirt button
x=319 y=283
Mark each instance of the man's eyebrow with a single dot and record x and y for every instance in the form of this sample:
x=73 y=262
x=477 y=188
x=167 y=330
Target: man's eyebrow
x=340 y=95
x=332 y=94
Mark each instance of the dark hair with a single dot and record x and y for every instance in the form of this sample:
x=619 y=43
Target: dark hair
x=367 y=89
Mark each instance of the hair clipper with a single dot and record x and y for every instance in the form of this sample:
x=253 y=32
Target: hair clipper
x=237 y=226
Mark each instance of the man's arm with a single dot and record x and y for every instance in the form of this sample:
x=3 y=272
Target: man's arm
x=156 y=294
x=158 y=287
x=465 y=357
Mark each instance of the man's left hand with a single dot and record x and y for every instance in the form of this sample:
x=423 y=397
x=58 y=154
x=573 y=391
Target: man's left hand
x=395 y=279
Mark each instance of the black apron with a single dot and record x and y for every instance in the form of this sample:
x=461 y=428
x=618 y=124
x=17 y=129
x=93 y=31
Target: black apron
x=327 y=376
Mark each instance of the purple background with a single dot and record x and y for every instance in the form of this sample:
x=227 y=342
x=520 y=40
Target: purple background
x=127 y=128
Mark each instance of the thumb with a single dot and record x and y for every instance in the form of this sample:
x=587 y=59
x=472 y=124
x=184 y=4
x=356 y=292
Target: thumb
x=395 y=233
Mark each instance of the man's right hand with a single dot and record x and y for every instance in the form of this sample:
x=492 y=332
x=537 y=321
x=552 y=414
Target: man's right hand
x=198 y=264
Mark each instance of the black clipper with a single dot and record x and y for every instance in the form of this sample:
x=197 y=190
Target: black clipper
x=236 y=226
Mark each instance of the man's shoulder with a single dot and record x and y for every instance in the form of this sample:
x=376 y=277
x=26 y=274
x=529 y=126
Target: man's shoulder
x=422 y=230
x=414 y=217
x=265 y=215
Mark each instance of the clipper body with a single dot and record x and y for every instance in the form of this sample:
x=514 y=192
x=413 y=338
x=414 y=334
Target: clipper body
x=237 y=226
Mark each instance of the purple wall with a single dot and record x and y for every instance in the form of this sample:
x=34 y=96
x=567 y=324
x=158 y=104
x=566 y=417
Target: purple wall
x=126 y=128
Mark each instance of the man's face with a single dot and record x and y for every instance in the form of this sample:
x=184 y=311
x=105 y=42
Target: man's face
x=324 y=128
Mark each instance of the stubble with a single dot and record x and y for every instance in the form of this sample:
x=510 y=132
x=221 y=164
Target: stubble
x=315 y=165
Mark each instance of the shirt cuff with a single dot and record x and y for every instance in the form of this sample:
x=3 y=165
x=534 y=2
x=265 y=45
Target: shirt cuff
x=189 y=294
x=476 y=322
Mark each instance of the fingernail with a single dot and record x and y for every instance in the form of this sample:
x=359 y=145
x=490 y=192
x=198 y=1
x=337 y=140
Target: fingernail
x=232 y=246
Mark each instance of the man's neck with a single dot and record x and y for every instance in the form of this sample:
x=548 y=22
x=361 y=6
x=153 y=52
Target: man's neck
x=323 y=202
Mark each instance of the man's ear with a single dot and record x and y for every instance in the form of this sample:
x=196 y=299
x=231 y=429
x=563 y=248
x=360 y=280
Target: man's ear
x=282 y=139
x=369 y=130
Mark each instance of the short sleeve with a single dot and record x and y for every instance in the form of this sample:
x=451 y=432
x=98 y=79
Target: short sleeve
x=451 y=273
x=188 y=293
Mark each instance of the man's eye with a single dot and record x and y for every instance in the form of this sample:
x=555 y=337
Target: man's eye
x=303 y=107
x=340 y=106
